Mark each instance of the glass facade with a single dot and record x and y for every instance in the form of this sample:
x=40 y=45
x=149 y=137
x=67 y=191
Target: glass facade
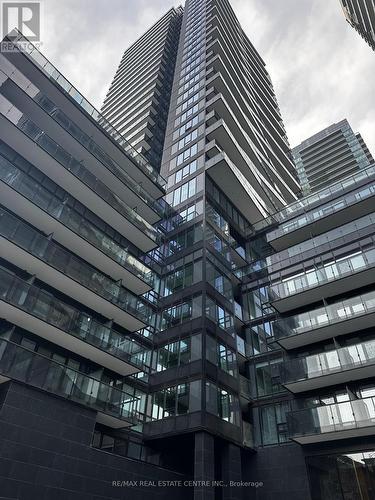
x=227 y=242
x=342 y=476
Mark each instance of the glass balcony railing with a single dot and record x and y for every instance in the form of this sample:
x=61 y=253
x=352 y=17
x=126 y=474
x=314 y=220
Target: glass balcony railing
x=238 y=311
x=247 y=435
x=62 y=119
x=61 y=210
x=241 y=345
x=24 y=365
x=245 y=387
x=331 y=239
x=325 y=274
x=315 y=215
x=46 y=250
x=347 y=415
x=111 y=165
x=75 y=167
x=326 y=363
x=53 y=311
x=25 y=46
x=324 y=316
x=306 y=203
x=297 y=252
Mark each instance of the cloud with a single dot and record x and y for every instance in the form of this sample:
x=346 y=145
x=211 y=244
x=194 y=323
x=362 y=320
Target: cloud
x=321 y=69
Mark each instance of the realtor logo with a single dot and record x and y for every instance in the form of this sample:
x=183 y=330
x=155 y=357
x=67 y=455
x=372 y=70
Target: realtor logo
x=25 y=16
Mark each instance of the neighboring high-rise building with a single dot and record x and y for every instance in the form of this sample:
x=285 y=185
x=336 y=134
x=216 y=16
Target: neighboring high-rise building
x=138 y=99
x=329 y=156
x=360 y=14
x=310 y=343
x=223 y=344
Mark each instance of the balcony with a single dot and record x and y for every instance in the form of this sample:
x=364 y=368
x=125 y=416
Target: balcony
x=308 y=203
x=98 y=161
x=248 y=435
x=245 y=388
x=319 y=245
x=220 y=64
x=28 y=249
x=257 y=170
x=36 y=310
x=73 y=176
x=115 y=408
x=349 y=419
x=329 y=280
x=41 y=208
x=334 y=367
x=137 y=166
x=333 y=320
x=234 y=184
x=238 y=123
x=321 y=219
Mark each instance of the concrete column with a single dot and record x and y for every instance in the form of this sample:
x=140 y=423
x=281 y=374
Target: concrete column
x=204 y=465
x=231 y=471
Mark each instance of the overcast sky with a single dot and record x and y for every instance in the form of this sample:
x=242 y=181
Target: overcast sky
x=321 y=68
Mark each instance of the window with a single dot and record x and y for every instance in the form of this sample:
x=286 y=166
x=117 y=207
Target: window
x=188 y=153
x=222 y=317
x=273 y=423
x=176 y=400
x=190 y=101
x=226 y=206
x=187 y=126
x=175 y=315
x=189 y=75
x=220 y=355
x=188 y=214
x=222 y=403
x=219 y=280
x=268 y=377
x=187 y=139
x=179 y=353
x=183 y=239
x=191 y=81
x=182 y=193
x=255 y=302
x=178 y=279
x=256 y=338
x=188 y=92
x=187 y=113
x=218 y=243
x=218 y=220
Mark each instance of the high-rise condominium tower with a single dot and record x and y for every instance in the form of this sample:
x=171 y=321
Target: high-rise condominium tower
x=194 y=331
x=330 y=155
x=360 y=14
x=137 y=102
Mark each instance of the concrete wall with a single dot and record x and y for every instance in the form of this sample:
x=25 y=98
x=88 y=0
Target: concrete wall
x=45 y=454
